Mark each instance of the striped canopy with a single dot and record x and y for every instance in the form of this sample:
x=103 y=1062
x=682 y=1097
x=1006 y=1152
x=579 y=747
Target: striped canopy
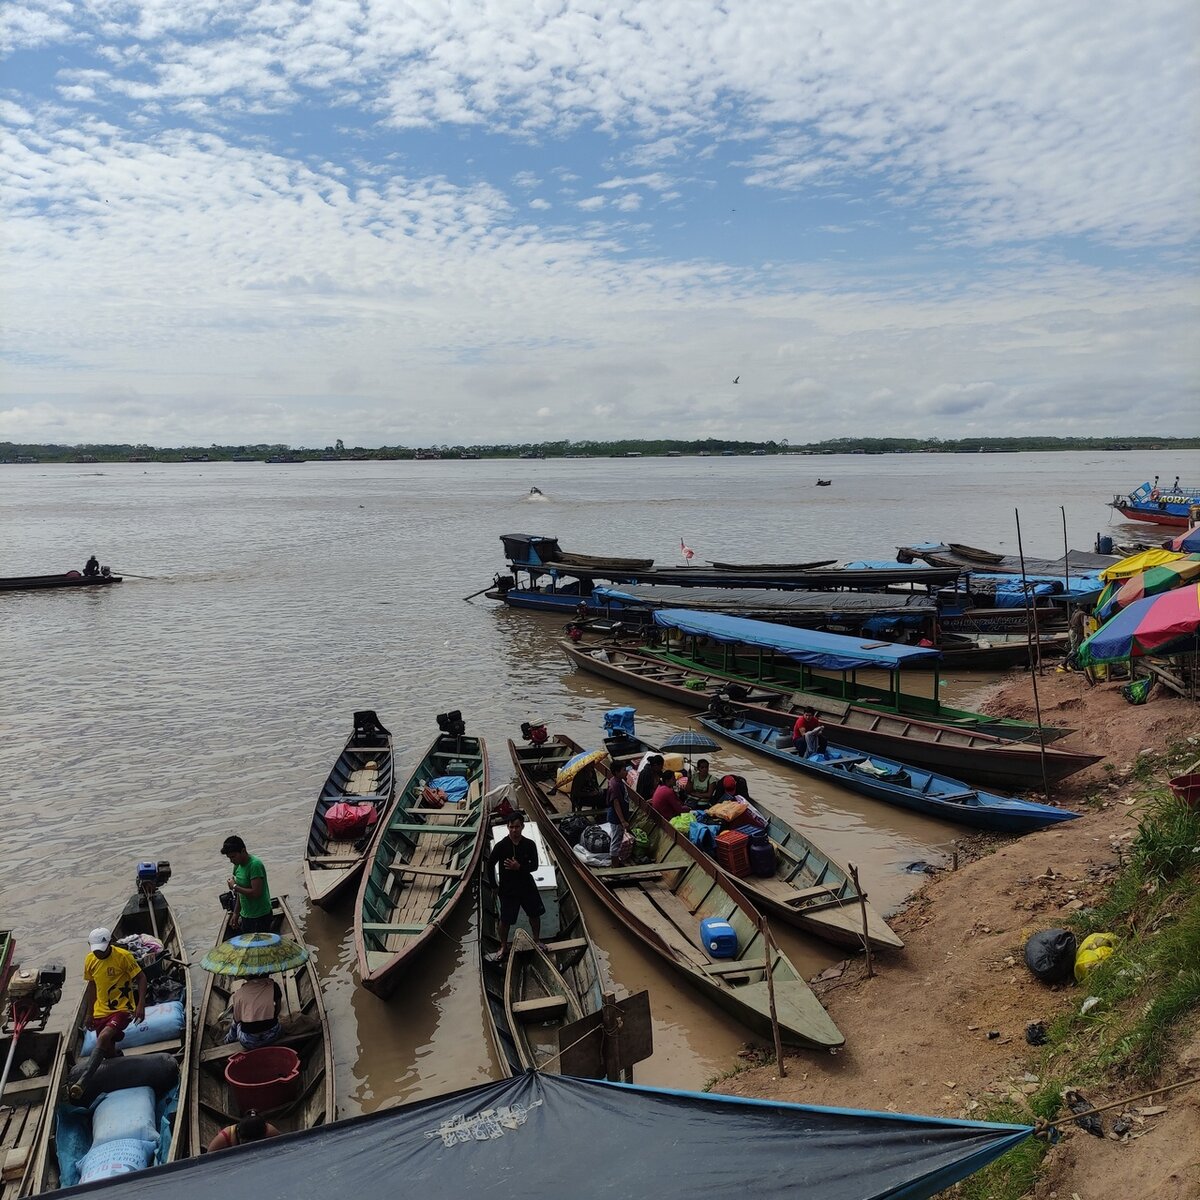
x=1164 y=624
x=1150 y=583
x=1187 y=542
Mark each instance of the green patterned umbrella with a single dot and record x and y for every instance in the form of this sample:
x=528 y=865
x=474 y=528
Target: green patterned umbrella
x=250 y=954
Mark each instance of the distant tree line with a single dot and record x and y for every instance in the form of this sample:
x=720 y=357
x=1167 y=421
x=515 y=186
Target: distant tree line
x=260 y=451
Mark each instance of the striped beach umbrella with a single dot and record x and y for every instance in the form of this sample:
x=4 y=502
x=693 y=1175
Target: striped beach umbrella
x=249 y=954
x=1153 y=582
x=1164 y=624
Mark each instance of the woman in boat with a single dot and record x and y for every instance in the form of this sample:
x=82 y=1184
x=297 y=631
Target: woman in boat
x=255 y=1007
x=665 y=800
x=701 y=784
x=649 y=775
x=251 y=1128
x=586 y=793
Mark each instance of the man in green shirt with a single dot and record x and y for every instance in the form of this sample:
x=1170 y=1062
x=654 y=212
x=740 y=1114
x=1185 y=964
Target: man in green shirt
x=249 y=884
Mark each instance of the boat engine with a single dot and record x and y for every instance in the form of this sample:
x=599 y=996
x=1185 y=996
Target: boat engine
x=534 y=732
x=32 y=994
x=152 y=875
x=452 y=724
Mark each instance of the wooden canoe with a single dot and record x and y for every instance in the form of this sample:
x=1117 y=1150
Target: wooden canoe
x=28 y=1098
x=536 y=992
x=306 y=1031
x=362 y=774
x=421 y=863
x=808 y=890
x=152 y=916
x=663 y=901
x=39 y=583
x=959 y=752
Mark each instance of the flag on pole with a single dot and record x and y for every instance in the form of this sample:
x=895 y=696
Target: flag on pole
x=687 y=552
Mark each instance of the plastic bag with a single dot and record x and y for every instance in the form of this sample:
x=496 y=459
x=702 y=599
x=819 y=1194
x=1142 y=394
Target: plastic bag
x=572 y=829
x=683 y=821
x=125 y=1115
x=595 y=839
x=347 y=821
x=1093 y=950
x=1050 y=955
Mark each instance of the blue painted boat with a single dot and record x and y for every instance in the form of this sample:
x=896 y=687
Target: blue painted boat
x=1159 y=506
x=891 y=781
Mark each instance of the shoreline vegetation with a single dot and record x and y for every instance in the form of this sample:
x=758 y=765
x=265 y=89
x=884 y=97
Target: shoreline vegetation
x=14 y=452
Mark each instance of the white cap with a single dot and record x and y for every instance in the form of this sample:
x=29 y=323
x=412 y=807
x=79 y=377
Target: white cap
x=99 y=939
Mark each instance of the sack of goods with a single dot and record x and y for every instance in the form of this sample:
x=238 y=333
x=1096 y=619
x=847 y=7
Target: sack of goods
x=718 y=937
x=595 y=839
x=163 y=1023
x=115 y=1158
x=572 y=828
x=703 y=837
x=125 y=1115
x=347 y=821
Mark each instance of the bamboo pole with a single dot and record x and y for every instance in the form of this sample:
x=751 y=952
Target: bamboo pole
x=862 y=901
x=768 y=948
x=1032 y=630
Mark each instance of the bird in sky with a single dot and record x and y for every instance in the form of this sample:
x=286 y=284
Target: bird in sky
x=736 y=378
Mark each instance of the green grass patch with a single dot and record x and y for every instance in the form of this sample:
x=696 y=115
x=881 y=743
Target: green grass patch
x=1014 y=1173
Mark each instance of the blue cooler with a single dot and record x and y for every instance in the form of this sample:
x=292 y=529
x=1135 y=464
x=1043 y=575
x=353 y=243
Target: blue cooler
x=718 y=937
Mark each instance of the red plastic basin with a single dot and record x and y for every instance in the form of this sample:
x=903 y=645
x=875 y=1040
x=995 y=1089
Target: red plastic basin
x=1187 y=788
x=263 y=1079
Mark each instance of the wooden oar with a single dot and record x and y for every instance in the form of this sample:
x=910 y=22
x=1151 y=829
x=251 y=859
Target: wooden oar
x=472 y=595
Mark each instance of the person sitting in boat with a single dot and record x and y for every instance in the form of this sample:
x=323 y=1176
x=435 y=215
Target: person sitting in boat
x=727 y=789
x=808 y=734
x=701 y=784
x=251 y=1128
x=112 y=974
x=648 y=776
x=515 y=858
x=585 y=791
x=91 y=568
x=665 y=800
x=255 y=1007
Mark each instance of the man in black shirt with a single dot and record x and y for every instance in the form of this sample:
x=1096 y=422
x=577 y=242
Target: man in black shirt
x=517 y=859
x=649 y=776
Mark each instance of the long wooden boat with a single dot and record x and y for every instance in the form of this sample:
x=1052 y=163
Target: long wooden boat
x=149 y=915
x=27 y=1099
x=363 y=773
x=809 y=889
x=421 y=863
x=71 y=579
x=963 y=651
x=662 y=902
x=536 y=992
x=937 y=747
x=306 y=1031
x=891 y=781
x=7 y=947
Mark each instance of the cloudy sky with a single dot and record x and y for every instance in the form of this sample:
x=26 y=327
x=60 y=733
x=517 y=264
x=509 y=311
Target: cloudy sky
x=460 y=221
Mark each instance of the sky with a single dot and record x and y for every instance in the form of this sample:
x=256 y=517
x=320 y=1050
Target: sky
x=243 y=221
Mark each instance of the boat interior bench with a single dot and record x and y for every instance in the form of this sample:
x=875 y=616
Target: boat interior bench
x=635 y=874
x=422 y=827
x=334 y=860
x=382 y=928
x=733 y=968
x=407 y=869
x=539 y=1009
x=229 y=1049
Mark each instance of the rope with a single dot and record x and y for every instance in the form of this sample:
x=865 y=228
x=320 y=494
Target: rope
x=1042 y=1127
x=597 y=1029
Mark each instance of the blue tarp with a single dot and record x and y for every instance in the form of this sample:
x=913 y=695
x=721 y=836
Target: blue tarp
x=830 y=651
x=543 y=1137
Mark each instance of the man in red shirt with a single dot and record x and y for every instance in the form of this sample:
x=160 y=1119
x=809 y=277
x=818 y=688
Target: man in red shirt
x=665 y=801
x=808 y=734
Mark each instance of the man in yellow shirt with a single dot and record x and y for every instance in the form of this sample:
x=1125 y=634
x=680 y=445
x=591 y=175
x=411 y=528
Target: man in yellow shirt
x=112 y=973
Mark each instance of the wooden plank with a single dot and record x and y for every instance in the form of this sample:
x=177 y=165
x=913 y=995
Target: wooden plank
x=732 y=967
x=810 y=893
x=450 y=810
x=565 y=945
x=384 y=928
x=333 y=860
x=434 y=828
x=409 y=869
x=544 y=1006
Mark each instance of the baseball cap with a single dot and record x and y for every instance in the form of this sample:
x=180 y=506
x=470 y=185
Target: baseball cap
x=100 y=939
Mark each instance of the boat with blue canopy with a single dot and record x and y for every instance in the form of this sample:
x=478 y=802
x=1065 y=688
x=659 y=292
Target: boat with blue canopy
x=888 y=780
x=1160 y=506
x=542 y=1137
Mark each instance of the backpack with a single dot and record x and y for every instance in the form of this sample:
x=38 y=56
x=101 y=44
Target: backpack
x=595 y=840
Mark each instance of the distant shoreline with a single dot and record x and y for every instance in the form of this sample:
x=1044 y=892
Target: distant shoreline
x=28 y=454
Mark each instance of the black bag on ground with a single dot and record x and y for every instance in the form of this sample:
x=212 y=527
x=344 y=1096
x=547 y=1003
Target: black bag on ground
x=572 y=828
x=157 y=1071
x=595 y=840
x=1050 y=955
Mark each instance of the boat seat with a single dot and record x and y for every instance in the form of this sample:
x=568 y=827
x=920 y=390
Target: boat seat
x=645 y=871
x=733 y=968
x=567 y=944
x=540 y=1009
x=229 y=1049
x=813 y=893
x=333 y=860
x=170 y=1046
x=357 y=798
x=444 y=872
x=423 y=828
x=954 y=797
x=449 y=811
x=383 y=929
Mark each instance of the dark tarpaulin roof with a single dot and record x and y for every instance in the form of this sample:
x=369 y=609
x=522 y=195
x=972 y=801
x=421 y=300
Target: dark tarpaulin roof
x=768 y=600
x=830 y=651
x=551 y=1136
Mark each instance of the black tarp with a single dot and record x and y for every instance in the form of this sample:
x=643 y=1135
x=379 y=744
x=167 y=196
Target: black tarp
x=546 y=1137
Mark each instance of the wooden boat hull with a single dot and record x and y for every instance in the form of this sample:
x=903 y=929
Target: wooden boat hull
x=1153 y=514
x=933 y=795
x=958 y=752
x=306 y=1029
x=136 y=917
x=332 y=867
x=663 y=902
x=524 y=1033
x=26 y=1104
x=420 y=865
x=809 y=889
x=40 y=583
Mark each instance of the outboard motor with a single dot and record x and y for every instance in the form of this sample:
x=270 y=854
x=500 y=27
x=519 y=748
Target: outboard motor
x=534 y=732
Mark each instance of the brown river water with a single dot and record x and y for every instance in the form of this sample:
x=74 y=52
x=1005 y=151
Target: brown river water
x=211 y=692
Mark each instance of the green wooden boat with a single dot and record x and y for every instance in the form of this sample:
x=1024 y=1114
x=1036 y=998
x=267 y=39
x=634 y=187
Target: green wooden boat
x=421 y=862
x=662 y=901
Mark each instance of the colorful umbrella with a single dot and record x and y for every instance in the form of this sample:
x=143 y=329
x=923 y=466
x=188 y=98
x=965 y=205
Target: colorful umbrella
x=1153 y=625
x=255 y=954
x=1150 y=583
x=1186 y=543
x=1135 y=564
x=573 y=766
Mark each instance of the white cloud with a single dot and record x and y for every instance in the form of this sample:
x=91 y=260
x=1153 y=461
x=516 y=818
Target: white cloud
x=591 y=203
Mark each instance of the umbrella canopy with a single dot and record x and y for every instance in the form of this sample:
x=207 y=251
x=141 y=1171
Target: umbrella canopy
x=573 y=766
x=1186 y=543
x=1151 y=583
x=1135 y=564
x=250 y=954
x=1153 y=625
x=690 y=743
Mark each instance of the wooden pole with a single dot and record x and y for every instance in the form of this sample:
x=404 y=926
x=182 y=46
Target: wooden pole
x=1032 y=629
x=1062 y=508
x=862 y=901
x=610 y=1047
x=768 y=949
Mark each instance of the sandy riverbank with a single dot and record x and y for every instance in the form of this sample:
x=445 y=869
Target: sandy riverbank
x=917 y=1034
